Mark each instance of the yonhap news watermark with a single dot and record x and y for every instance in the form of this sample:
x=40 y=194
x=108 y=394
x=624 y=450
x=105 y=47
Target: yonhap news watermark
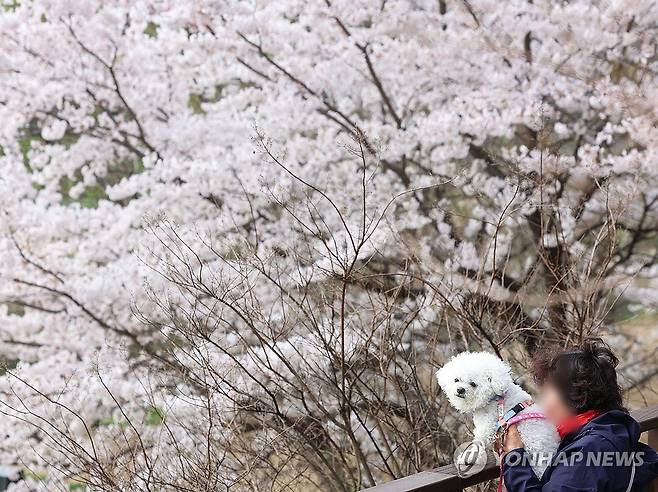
x=471 y=458
x=576 y=458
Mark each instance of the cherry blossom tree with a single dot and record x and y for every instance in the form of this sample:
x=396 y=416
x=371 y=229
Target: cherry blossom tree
x=238 y=237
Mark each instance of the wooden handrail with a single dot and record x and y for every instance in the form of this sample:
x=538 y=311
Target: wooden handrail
x=446 y=478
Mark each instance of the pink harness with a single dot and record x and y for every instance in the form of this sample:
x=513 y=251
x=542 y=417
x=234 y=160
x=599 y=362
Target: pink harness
x=505 y=421
x=524 y=416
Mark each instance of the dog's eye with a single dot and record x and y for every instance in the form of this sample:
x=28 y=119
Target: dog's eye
x=456 y=380
x=473 y=384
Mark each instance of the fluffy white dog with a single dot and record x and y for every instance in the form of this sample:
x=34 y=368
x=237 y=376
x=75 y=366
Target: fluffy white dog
x=480 y=384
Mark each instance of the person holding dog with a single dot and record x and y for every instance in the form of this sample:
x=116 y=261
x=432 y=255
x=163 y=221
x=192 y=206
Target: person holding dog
x=599 y=448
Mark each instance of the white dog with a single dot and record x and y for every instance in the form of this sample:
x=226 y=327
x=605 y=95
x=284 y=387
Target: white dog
x=480 y=384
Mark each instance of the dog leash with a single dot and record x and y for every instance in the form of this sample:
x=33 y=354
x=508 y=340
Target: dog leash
x=505 y=417
x=505 y=420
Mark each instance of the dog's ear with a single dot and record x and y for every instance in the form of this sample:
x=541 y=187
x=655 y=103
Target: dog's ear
x=499 y=382
x=441 y=377
x=495 y=385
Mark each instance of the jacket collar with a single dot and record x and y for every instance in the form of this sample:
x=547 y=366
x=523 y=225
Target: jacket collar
x=576 y=422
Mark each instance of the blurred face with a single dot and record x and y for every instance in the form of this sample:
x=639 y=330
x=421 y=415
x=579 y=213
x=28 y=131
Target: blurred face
x=553 y=405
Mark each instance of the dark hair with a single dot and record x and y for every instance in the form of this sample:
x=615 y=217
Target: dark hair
x=584 y=375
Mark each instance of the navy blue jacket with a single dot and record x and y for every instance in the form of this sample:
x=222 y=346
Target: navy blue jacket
x=590 y=459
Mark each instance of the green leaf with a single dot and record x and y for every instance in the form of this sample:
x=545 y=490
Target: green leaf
x=154 y=416
x=151 y=30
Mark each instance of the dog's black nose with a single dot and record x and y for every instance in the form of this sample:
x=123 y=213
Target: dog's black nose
x=461 y=391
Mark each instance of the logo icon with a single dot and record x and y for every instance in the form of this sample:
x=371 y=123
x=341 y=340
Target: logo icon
x=470 y=458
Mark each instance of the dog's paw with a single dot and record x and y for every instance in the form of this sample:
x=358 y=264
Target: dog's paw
x=467 y=458
x=471 y=455
x=470 y=459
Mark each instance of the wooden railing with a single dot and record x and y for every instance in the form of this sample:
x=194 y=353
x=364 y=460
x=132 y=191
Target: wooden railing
x=446 y=479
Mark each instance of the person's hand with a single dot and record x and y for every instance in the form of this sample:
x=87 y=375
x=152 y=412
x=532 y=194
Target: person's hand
x=512 y=439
